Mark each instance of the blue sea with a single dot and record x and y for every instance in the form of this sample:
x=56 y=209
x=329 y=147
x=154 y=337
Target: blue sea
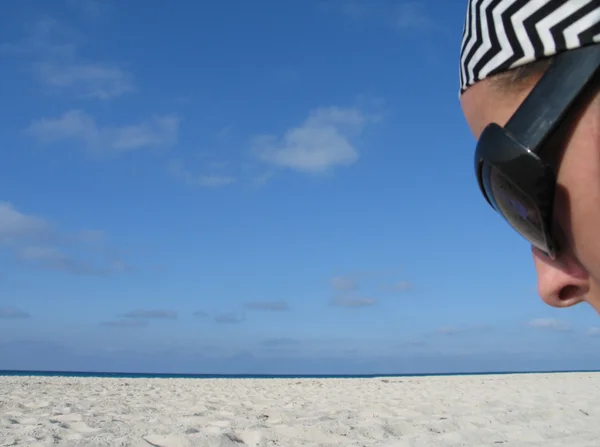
x=130 y=375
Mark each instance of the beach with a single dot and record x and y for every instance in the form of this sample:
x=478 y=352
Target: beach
x=522 y=410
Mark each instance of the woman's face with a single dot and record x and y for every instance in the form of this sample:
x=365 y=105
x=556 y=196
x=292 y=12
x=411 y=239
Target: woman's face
x=575 y=276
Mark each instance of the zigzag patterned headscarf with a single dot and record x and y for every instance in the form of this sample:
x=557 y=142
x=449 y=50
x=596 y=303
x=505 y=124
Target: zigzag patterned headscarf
x=503 y=34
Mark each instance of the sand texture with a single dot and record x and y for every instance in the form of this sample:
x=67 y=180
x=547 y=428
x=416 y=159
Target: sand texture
x=503 y=410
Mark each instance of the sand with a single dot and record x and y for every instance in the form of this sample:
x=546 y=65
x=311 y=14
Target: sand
x=501 y=410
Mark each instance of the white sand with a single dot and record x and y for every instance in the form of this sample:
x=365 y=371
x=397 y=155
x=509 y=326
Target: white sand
x=505 y=410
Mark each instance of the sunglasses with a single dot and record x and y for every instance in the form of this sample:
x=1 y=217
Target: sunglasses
x=512 y=177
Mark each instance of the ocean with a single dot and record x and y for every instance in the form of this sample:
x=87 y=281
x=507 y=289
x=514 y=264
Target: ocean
x=130 y=375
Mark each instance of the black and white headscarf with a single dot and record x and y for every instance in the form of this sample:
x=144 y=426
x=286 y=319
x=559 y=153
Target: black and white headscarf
x=502 y=34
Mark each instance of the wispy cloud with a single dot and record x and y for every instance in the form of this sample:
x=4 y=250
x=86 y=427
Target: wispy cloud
x=15 y=225
x=351 y=9
x=412 y=16
x=56 y=258
x=79 y=127
x=549 y=324
x=224 y=134
x=12 y=313
x=229 y=318
x=273 y=306
x=53 y=52
x=280 y=342
x=449 y=330
x=344 y=283
x=125 y=323
x=399 y=16
x=412 y=344
x=200 y=314
x=325 y=140
x=593 y=332
x=209 y=179
x=38 y=243
x=91 y=8
x=88 y=80
x=152 y=314
x=353 y=301
x=398 y=287
x=359 y=276
x=346 y=286
x=465 y=329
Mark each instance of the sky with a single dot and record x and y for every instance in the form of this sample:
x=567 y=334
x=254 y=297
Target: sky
x=269 y=187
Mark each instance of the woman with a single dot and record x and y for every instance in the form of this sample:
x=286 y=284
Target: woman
x=530 y=92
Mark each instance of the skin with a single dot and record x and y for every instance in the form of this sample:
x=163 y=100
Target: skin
x=575 y=153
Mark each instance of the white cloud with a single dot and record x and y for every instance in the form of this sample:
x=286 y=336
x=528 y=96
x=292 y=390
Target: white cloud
x=92 y=236
x=412 y=16
x=280 y=342
x=230 y=318
x=125 y=323
x=13 y=313
x=152 y=314
x=79 y=127
x=91 y=8
x=224 y=134
x=352 y=9
x=401 y=16
x=353 y=301
x=36 y=242
x=53 y=53
x=16 y=226
x=75 y=124
x=215 y=180
x=450 y=330
x=593 y=331
x=550 y=324
x=42 y=253
x=160 y=131
x=457 y=330
x=47 y=38
x=273 y=306
x=398 y=287
x=354 y=280
x=326 y=139
x=344 y=283
x=95 y=81
x=210 y=180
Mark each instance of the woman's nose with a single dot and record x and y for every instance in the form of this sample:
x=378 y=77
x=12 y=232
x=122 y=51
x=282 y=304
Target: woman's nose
x=562 y=282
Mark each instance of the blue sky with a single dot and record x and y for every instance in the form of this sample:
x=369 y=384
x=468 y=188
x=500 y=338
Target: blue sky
x=234 y=186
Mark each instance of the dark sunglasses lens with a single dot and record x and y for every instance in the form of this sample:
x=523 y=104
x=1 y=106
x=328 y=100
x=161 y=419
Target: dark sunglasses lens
x=518 y=209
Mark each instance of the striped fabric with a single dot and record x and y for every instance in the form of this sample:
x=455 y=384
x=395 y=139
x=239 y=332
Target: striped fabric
x=502 y=34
